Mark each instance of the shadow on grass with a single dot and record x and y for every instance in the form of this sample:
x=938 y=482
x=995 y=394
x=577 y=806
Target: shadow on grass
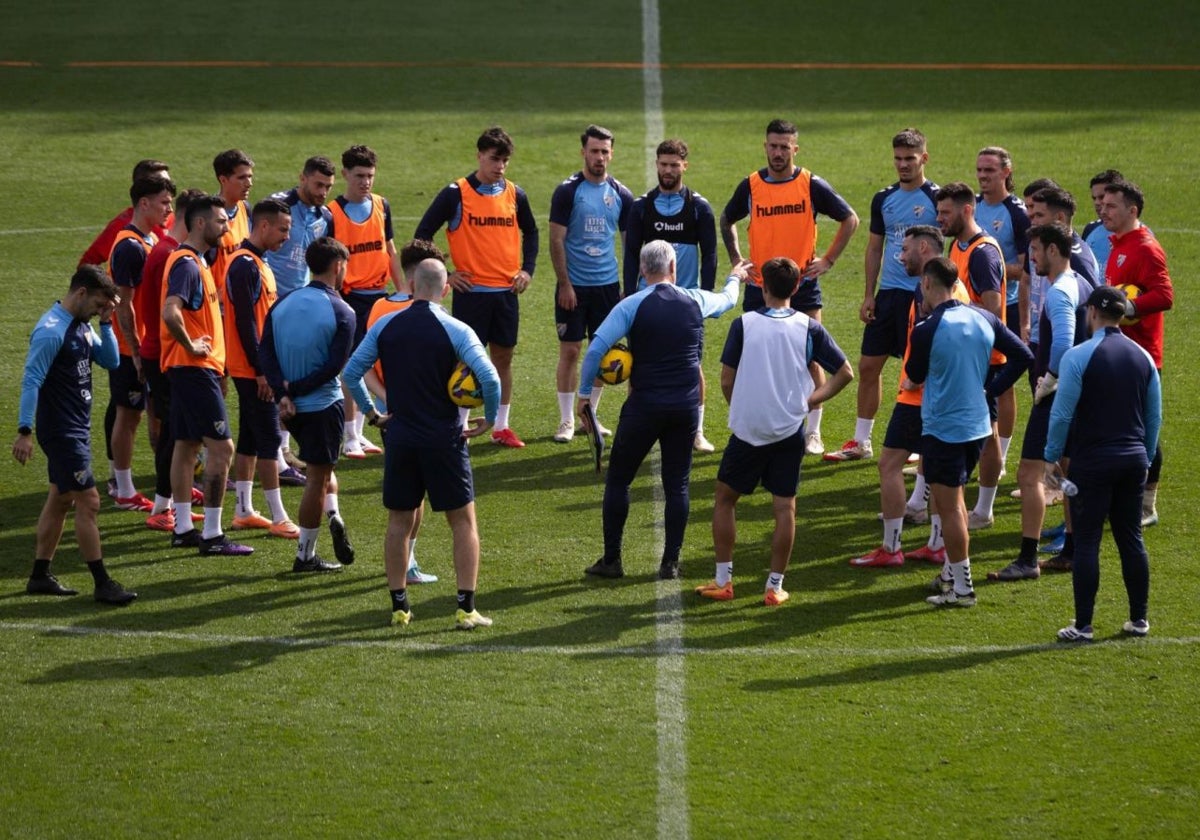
x=917 y=666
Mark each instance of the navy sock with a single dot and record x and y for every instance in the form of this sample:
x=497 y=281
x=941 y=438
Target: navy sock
x=1029 y=547
x=466 y=600
x=41 y=569
x=99 y=573
x=400 y=600
x=1069 y=544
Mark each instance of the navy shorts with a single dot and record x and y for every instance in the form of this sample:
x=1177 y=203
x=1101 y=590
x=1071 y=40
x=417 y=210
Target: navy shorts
x=592 y=305
x=412 y=472
x=361 y=303
x=776 y=465
x=69 y=463
x=123 y=387
x=158 y=388
x=198 y=409
x=806 y=300
x=317 y=435
x=258 y=422
x=1033 y=448
x=494 y=316
x=887 y=334
x=904 y=429
x=993 y=408
x=949 y=464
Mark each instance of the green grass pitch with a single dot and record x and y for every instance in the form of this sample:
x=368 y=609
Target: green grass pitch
x=233 y=700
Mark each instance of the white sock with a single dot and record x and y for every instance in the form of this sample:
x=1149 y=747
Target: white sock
x=307 y=545
x=892 y=528
x=987 y=498
x=280 y=462
x=245 y=505
x=348 y=433
x=125 y=488
x=331 y=504
x=566 y=407
x=1004 y=442
x=161 y=503
x=412 y=552
x=814 y=422
x=285 y=439
x=183 y=517
x=1149 y=499
x=360 y=420
x=724 y=573
x=862 y=429
x=502 y=417
x=700 y=423
x=775 y=581
x=275 y=504
x=212 y=523
x=920 y=494
x=935 y=533
x=961 y=573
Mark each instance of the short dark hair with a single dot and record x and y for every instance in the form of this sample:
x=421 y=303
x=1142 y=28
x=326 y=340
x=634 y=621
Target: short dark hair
x=931 y=232
x=495 y=138
x=956 y=191
x=1108 y=176
x=227 y=162
x=1037 y=185
x=1056 y=198
x=359 y=156
x=672 y=146
x=1131 y=191
x=94 y=279
x=415 y=250
x=319 y=163
x=186 y=199
x=941 y=271
x=149 y=166
x=150 y=185
x=596 y=132
x=201 y=205
x=323 y=253
x=1056 y=234
x=780 y=276
x=909 y=138
x=270 y=207
x=778 y=126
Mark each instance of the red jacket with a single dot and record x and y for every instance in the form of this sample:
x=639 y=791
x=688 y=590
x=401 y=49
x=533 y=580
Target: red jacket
x=1137 y=259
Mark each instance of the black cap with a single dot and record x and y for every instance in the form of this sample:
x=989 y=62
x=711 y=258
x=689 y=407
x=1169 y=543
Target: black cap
x=1109 y=300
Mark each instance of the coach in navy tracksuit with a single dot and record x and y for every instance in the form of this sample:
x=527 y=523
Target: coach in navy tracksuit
x=1110 y=400
x=665 y=328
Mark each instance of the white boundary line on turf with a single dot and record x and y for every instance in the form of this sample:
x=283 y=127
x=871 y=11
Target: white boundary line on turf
x=670 y=677
x=407 y=645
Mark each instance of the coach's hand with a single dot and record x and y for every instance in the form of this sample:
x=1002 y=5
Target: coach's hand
x=478 y=426
x=22 y=448
x=264 y=390
x=521 y=281
x=743 y=270
x=287 y=409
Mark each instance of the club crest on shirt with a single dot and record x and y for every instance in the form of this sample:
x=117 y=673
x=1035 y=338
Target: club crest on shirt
x=609 y=199
x=918 y=211
x=1120 y=260
x=998 y=225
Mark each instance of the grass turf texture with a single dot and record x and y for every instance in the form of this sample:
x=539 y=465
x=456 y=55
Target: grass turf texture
x=234 y=699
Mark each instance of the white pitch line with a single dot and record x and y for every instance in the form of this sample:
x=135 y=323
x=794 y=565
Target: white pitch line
x=40 y=231
x=405 y=645
x=670 y=678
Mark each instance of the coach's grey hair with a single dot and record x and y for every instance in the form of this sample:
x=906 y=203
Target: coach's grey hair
x=429 y=277
x=656 y=258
